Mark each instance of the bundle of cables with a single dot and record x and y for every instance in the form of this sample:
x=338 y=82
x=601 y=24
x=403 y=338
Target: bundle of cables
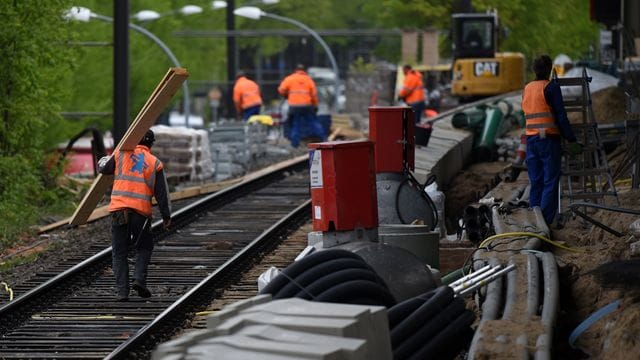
x=434 y=325
x=332 y=275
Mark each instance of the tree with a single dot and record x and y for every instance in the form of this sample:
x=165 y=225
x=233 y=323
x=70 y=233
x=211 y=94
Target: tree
x=34 y=57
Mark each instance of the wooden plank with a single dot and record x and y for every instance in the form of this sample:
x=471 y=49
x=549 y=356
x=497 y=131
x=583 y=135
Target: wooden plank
x=147 y=116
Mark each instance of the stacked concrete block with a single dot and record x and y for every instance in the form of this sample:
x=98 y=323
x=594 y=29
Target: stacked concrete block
x=261 y=328
x=234 y=146
x=184 y=152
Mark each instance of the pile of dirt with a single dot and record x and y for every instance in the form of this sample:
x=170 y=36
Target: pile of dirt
x=587 y=286
x=609 y=106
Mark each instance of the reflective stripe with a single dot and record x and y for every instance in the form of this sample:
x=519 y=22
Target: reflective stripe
x=541 y=126
x=539 y=115
x=131 y=195
x=129 y=178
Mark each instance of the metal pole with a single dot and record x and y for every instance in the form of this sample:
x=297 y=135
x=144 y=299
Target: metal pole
x=167 y=51
x=120 y=69
x=324 y=46
x=231 y=56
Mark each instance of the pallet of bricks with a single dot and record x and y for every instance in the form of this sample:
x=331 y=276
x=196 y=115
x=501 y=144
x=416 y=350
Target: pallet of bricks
x=184 y=152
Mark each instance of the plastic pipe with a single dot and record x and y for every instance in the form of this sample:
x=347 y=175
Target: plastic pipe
x=533 y=281
x=511 y=295
x=316 y=272
x=492 y=123
x=442 y=296
x=446 y=339
x=493 y=297
x=487 y=280
x=427 y=330
x=298 y=267
x=470 y=276
x=332 y=279
x=551 y=292
x=473 y=280
x=348 y=291
x=584 y=325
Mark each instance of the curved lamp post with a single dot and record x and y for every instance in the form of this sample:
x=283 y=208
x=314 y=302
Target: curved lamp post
x=84 y=14
x=252 y=12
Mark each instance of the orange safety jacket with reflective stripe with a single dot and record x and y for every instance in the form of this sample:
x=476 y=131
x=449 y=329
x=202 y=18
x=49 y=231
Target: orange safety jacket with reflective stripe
x=246 y=93
x=412 y=88
x=134 y=180
x=537 y=113
x=299 y=89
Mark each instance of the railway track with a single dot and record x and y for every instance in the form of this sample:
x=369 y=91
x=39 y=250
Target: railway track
x=74 y=314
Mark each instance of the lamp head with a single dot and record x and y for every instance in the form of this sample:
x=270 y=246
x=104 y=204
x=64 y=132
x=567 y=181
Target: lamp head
x=250 y=12
x=190 y=10
x=218 y=4
x=146 y=15
x=78 y=13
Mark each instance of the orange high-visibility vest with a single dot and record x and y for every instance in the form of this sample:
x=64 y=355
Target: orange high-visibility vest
x=299 y=89
x=134 y=180
x=412 y=88
x=537 y=113
x=246 y=93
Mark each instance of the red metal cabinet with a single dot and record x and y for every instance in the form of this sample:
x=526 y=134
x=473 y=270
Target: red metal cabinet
x=343 y=186
x=391 y=128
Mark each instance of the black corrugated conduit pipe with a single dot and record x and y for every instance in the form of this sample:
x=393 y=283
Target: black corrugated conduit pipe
x=428 y=329
x=455 y=335
x=326 y=282
x=316 y=272
x=442 y=296
x=361 y=292
x=303 y=264
x=332 y=275
x=404 y=309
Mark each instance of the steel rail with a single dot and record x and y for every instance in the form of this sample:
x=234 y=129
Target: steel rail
x=197 y=296
x=41 y=296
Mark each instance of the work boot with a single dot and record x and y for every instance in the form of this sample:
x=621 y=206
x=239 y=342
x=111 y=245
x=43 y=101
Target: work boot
x=122 y=296
x=142 y=290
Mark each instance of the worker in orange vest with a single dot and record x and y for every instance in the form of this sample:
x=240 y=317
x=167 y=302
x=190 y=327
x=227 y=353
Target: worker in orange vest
x=138 y=176
x=546 y=124
x=246 y=96
x=412 y=91
x=302 y=96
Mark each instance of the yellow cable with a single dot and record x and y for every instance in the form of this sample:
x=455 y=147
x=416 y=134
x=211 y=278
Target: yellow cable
x=8 y=289
x=488 y=240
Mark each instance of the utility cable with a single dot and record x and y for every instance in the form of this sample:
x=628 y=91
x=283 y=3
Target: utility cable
x=488 y=240
x=605 y=310
x=8 y=290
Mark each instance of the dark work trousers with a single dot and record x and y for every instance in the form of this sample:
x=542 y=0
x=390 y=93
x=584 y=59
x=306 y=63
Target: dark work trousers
x=544 y=166
x=250 y=111
x=418 y=109
x=124 y=236
x=304 y=115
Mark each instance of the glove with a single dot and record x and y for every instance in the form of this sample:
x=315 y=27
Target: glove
x=103 y=161
x=574 y=148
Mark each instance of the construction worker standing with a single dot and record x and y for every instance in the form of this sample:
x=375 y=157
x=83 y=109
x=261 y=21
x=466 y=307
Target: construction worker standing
x=412 y=91
x=246 y=96
x=302 y=96
x=138 y=175
x=546 y=124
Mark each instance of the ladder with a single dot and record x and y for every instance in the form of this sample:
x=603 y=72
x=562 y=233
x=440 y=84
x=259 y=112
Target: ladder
x=586 y=177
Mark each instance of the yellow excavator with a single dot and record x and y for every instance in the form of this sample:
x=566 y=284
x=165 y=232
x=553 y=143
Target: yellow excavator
x=478 y=69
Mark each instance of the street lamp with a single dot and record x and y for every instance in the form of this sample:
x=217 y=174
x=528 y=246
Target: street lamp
x=83 y=14
x=149 y=15
x=252 y=12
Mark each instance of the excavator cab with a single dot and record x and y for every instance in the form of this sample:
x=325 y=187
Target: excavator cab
x=479 y=70
x=474 y=35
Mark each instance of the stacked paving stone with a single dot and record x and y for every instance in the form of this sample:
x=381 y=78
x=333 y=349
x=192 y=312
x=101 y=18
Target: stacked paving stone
x=185 y=152
x=235 y=146
x=261 y=328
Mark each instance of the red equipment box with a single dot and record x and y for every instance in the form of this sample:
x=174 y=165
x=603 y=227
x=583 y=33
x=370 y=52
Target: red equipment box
x=391 y=128
x=343 y=186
